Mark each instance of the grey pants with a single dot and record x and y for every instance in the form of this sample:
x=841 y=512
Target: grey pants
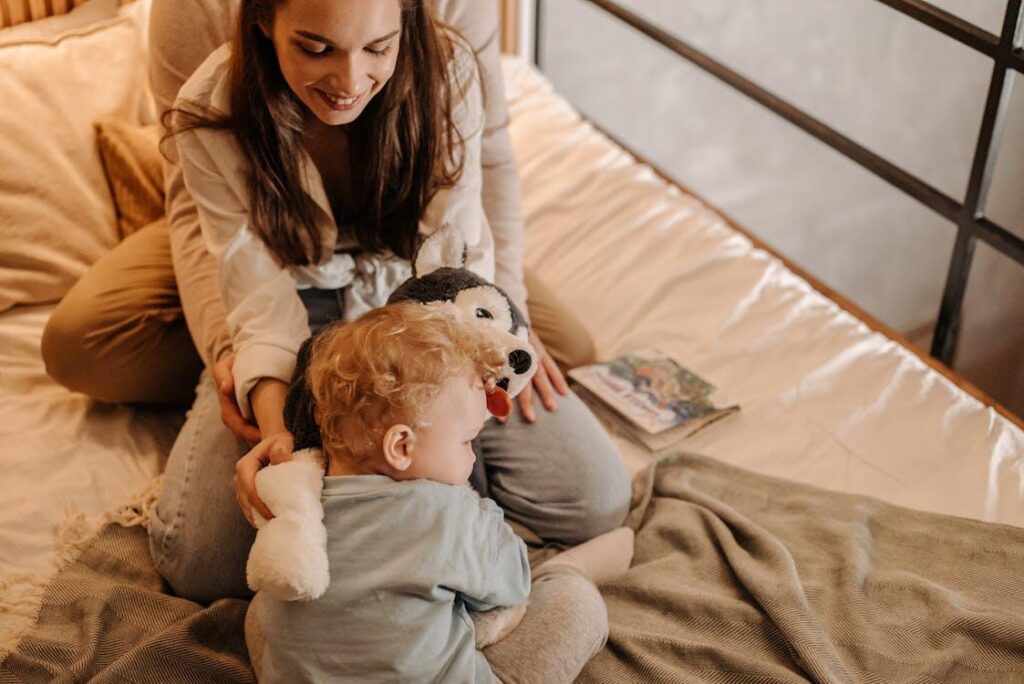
x=560 y=476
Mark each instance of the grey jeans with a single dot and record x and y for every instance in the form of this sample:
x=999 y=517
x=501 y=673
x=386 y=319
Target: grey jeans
x=560 y=476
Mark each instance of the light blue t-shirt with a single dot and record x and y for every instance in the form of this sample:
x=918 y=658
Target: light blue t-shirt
x=407 y=559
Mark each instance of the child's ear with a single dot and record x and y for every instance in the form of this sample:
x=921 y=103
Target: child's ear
x=399 y=441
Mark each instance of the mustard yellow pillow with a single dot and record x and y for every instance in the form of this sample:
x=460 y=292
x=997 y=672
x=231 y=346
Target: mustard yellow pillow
x=134 y=168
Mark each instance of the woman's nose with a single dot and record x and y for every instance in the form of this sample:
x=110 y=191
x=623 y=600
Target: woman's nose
x=348 y=76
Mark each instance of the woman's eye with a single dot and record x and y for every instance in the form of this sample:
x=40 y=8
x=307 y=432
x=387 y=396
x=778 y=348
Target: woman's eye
x=379 y=53
x=484 y=313
x=313 y=52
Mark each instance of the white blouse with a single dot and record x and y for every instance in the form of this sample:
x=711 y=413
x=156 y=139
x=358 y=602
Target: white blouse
x=266 y=318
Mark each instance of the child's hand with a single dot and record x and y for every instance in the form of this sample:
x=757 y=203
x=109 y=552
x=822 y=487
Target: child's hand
x=230 y=414
x=272 y=449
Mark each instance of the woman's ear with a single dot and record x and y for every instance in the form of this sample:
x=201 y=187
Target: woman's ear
x=399 y=442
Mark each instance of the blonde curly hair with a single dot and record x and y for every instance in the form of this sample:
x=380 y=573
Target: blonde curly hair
x=384 y=369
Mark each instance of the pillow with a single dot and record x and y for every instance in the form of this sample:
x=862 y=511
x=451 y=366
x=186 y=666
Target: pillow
x=134 y=168
x=56 y=212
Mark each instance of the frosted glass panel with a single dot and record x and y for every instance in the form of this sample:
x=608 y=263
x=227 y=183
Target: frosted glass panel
x=991 y=349
x=988 y=14
x=870 y=242
x=1005 y=203
x=897 y=87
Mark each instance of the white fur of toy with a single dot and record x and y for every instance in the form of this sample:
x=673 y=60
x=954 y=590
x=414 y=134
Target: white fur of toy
x=288 y=560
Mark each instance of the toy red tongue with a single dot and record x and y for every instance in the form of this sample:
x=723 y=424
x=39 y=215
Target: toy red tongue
x=498 y=402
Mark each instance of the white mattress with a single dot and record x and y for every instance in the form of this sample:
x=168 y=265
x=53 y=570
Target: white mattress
x=825 y=400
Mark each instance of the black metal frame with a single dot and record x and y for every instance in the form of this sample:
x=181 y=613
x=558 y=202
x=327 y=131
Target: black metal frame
x=972 y=225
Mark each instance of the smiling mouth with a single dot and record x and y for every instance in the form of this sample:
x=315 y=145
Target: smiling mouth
x=339 y=104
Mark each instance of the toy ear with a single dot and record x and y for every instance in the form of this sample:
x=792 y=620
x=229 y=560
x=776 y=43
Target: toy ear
x=445 y=247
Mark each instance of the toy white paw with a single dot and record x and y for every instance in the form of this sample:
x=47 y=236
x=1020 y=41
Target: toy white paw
x=288 y=560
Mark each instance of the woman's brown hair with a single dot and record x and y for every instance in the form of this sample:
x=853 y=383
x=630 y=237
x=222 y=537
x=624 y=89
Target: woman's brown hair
x=403 y=148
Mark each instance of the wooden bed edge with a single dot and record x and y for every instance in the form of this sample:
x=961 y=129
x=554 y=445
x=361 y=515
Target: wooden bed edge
x=843 y=302
x=508 y=19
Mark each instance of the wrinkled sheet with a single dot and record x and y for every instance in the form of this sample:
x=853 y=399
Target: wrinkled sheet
x=66 y=462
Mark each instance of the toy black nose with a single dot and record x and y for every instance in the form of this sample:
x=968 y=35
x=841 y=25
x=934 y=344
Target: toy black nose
x=520 y=361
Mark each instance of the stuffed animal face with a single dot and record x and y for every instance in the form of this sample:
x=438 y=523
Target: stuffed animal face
x=440 y=281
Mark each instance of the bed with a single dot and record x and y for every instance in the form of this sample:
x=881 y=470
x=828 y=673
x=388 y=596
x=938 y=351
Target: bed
x=827 y=401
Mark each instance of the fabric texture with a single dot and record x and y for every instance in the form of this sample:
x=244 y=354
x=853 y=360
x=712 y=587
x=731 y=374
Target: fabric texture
x=125 y=314
x=134 y=168
x=56 y=217
x=265 y=316
x=408 y=560
x=565 y=625
x=107 y=619
x=739 y=577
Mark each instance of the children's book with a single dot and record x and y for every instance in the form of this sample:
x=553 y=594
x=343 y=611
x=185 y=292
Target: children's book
x=650 y=397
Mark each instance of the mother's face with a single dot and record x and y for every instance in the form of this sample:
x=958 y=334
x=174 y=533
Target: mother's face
x=336 y=55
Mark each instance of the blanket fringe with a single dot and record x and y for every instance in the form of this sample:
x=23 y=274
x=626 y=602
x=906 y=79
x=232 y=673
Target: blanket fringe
x=137 y=510
x=21 y=594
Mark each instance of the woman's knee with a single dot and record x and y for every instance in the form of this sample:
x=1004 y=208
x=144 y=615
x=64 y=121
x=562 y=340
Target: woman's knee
x=119 y=334
x=564 y=335
x=592 y=476
x=119 y=356
x=63 y=346
x=602 y=502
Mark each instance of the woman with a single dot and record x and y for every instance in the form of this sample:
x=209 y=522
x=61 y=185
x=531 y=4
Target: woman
x=558 y=476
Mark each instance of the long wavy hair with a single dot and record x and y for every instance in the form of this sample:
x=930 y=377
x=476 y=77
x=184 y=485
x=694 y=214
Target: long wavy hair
x=403 y=148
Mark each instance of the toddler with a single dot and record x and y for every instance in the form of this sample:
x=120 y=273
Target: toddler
x=400 y=396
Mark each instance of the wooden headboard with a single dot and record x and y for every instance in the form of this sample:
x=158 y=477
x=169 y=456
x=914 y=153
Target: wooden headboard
x=509 y=25
x=13 y=12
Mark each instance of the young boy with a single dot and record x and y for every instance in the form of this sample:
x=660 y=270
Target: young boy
x=400 y=395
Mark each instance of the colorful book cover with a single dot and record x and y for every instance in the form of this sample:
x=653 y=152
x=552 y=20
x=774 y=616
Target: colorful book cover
x=660 y=399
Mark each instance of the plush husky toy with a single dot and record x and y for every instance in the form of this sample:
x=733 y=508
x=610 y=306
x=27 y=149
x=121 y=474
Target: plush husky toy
x=288 y=560
x=439 y=280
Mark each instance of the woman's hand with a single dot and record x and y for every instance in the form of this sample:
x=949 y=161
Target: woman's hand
x=272 y=449
x=230 y=414
x=547 y=381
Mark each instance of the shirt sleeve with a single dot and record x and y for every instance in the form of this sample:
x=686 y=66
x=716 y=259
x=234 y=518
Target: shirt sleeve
x=494 y=569
x=462 y=204
x=265 y=316
x=478 y=23
x=182 y=34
